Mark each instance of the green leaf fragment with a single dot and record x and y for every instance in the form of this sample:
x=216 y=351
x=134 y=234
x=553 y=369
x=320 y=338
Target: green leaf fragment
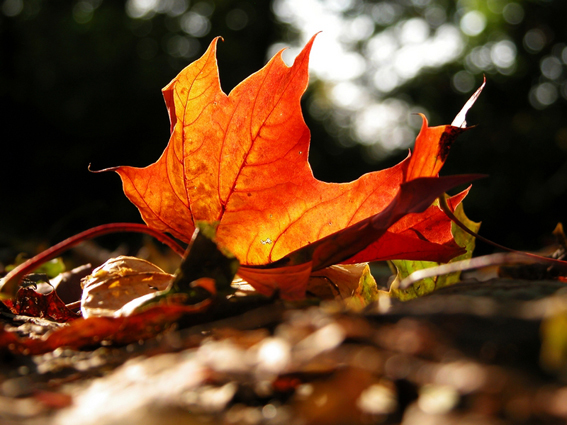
x=403 y=268
x=51 y=268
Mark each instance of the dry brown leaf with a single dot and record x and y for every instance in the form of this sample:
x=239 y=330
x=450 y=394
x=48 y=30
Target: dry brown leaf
x=119 y=281
x=347 y=282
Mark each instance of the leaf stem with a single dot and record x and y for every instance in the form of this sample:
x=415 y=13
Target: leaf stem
x=11 y=281
x=500 y=258
x=512 y=257
x=562 y=265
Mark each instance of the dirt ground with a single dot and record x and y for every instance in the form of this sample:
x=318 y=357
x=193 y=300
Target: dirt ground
x=477 y=353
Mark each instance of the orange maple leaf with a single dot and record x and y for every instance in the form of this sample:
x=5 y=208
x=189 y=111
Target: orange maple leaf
x=240 y=161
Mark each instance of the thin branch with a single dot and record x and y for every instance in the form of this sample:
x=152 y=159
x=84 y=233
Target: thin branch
x=511 y=257
x=470 y=264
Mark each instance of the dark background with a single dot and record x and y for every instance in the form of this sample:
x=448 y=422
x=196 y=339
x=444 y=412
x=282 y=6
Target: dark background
x=80 y=84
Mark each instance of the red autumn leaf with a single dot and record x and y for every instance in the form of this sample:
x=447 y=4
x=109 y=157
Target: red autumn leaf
x=29 y=302
x=85 y=332
x=416 y=236
x=240 y=160
x=291 y=273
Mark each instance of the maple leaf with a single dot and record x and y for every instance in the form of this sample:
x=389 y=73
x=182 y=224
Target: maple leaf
x=240 y=161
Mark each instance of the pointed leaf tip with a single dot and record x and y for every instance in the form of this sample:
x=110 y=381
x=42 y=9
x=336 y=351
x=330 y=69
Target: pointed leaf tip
x=460 y=120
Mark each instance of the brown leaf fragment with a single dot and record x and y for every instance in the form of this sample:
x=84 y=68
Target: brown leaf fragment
x=119 y=281
x=29 y=302
x=88 y=332
x=352 y=283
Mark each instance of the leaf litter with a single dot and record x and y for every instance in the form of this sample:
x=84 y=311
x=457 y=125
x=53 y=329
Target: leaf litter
x=303 y=334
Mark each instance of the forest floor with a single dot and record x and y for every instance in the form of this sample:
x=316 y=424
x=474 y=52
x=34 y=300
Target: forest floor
x=492 y=352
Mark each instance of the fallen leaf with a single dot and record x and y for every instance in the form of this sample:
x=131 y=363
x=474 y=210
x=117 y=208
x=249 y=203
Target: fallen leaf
x=118 y=281
x=291 y=273
x=240 y=161
x=91 y=331
x=206 y=271
x=121 y=305
x=352 y=283
x=29 y=302
x=206 y=259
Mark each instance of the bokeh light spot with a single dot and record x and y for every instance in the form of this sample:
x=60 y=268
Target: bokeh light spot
x=179 y=46
x=503 y=54
x=195 y=24
x=534 y=40
x=12 y=8
x=385 y=79
x=339 y=5
x=236 y=19
x=140 y=8
x=551 y=67
x=177 y=8
x=83 y=12
x=437 y=399
x=347 y=95
x=463 y=81
x=513 y=13
x=473 y=23
x=204 y=8
x=359 y=28
x=381 y=47
x=414 y=31
x=377 y=400
x=385 y=13
x=543 y=95
x=435 y=16
x=480 y=58
x=564 y=55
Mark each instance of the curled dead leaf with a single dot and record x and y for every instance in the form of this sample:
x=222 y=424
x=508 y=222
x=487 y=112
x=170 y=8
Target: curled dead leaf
x=119 y=281
x=352 y=283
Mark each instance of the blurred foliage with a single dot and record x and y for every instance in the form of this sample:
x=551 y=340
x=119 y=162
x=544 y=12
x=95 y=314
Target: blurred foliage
x=79 y=85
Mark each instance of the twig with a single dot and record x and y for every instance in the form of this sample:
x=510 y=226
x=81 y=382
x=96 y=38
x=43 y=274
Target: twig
x=470 y=264
x=511 y=257
x=12 y=280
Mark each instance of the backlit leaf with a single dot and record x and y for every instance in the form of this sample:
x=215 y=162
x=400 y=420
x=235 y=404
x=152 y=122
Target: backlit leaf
x=239 y=161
